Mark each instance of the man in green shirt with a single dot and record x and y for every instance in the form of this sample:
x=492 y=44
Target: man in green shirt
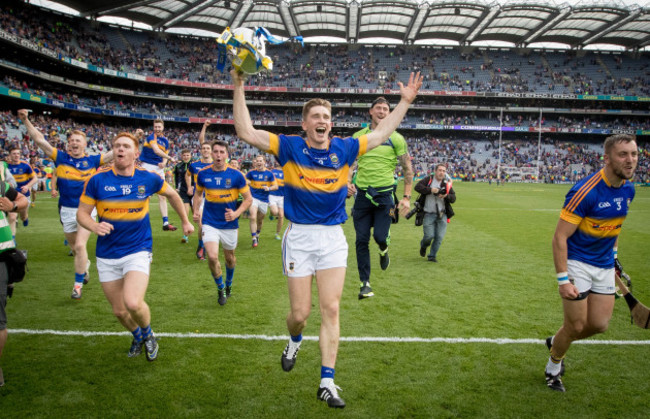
x=374 y=186
x=10 y=201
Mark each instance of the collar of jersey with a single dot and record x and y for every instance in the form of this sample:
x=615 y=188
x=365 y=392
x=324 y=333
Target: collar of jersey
x=117 y=174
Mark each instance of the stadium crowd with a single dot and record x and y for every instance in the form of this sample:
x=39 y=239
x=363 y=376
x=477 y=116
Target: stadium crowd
x=470 y=159
x=194 y=59
x=175 y=108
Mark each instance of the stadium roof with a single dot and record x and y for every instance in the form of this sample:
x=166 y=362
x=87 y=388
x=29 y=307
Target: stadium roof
x=518 y=23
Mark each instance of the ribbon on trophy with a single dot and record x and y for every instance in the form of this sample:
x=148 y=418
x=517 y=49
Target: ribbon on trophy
x=247 y=49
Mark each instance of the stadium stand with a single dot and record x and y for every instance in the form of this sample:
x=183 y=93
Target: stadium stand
x=62 y=66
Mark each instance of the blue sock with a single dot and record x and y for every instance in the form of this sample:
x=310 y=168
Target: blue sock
x=253 y=234
x=200 y=242
x=326 y=372
x=137 y=334
x=257 y=233
x=146 y=332
x=230 y=273
x=219 y=282
x=296 y=339
x=165 y=220
x=79 y=278
x=26 y=223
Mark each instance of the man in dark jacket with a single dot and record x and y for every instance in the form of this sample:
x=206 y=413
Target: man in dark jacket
x=437 y=195
x=10 y=201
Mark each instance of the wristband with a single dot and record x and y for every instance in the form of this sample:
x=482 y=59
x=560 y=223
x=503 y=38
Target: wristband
x=407 y=196
x=562 y=278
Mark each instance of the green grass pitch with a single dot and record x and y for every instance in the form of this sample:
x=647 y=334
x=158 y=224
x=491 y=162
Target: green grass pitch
x=494 y=280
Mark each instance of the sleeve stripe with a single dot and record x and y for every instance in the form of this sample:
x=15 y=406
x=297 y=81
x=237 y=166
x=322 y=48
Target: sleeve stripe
x=583 y=191
x=274 y=144
x=363 y=144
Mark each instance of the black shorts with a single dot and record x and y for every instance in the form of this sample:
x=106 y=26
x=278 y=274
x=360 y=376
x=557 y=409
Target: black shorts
x=185 y=197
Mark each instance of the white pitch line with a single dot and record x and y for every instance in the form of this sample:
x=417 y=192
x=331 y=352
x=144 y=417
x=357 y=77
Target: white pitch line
x=510 y=209
x=498 y=341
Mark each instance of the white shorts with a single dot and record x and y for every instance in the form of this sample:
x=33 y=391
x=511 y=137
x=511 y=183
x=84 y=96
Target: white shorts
x=307 y=248
x=227 y=238
x=591 y=278
x=278 y=201
x=262 y=207
x=115 y=269
x=154 y=168
x=68 y=216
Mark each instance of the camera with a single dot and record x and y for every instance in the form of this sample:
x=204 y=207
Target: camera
x=416 y=208
x=443 y=188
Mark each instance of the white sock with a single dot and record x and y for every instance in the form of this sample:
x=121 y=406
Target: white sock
x=326 y=382
x=553 y=368
x=293 y=346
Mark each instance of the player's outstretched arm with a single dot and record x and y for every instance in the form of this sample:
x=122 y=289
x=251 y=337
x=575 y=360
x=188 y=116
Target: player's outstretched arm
x=243 y=124
x=206 y=124
x=389 y=124
x=177 y=203
x=35 y=134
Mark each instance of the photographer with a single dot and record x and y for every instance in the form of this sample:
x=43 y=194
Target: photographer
x=438 y=195
x=10 y=201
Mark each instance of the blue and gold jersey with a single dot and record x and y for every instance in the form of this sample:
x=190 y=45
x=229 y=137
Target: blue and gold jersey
x=221 y=192
x=598 y=209
x=71 y=174
x=123 y=201
x=148 y=155
x=195 y=167
x=279 y=179
x=315 y=181
x=258 y=180
x=23 y=174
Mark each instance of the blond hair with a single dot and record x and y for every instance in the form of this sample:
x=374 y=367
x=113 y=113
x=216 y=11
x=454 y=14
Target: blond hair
x=313 y=103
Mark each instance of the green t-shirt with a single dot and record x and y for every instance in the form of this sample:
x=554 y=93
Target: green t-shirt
x=376 y=168
x=6 y=237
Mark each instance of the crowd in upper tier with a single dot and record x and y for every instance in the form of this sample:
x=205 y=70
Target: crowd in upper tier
x=342 y=66
x=175 y=108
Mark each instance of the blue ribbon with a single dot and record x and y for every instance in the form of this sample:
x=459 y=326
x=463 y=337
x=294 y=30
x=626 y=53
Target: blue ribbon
x=221 y=57
x=276 y=41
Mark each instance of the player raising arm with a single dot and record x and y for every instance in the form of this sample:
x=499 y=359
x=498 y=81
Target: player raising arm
x=315 y=173
x=73 y=168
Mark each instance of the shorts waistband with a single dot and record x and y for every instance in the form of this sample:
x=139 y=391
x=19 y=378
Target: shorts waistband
x=312 y=227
